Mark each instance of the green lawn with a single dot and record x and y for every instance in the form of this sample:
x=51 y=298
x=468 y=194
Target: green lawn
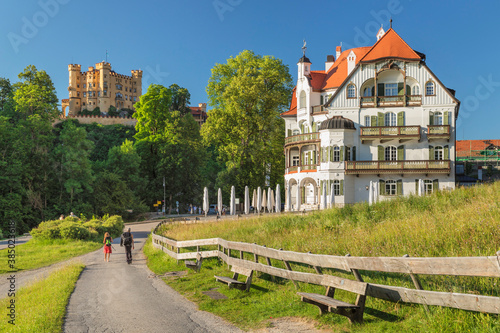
x=41 y=307
x=39 y=253
x=464 y=222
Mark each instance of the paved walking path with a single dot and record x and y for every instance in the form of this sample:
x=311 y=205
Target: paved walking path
x=117 y=297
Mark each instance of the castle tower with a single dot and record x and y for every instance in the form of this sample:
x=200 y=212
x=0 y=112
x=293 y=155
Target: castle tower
x=137 y=84
x=74 y=88
x=104 y=102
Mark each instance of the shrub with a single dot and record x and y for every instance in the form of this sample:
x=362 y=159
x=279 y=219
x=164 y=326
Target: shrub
x=113 y=225
x=74 y=230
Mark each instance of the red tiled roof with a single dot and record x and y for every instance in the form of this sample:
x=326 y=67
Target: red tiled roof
x=317 y=79
x=338 y=72
x=466 y=147
x=390 y=45
x=293 y=106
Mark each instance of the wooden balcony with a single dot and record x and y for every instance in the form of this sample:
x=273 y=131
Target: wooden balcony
x=303 y=168
x=386 y=133
x=396 y=167
x=390 y=101
x=302 y=138
x=438 y=132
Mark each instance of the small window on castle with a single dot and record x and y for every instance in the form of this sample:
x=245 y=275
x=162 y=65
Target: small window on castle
x=99 y=94
x=351 y=91
x=83 y=103
x=134 y=99
x=135 y=90
x=367 y=121
x=84 y=85
x=84 y=94
x=126 y=89
x=78 y=94
x=78 y=86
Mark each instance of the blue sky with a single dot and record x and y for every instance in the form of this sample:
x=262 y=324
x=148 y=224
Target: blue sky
x=180 y=41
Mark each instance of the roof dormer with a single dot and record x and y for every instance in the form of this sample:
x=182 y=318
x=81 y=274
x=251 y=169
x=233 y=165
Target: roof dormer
x=351 y=62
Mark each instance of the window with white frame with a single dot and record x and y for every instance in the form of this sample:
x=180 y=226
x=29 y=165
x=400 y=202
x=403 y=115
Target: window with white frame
x=295 y=160
x=294 y=132
x=438 y=118
x=336 y=154
x=336 y=187
x=391 y=153
x=428 y=186
x=391 y=89
x=390 y=119
x=390 y=187
x=415 y=90
x=351 y=91
x=438 y=153
x=429 y=88
x=367 y=121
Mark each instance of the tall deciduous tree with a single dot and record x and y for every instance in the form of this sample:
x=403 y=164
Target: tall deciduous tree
x=247 y=95
x=169 y=144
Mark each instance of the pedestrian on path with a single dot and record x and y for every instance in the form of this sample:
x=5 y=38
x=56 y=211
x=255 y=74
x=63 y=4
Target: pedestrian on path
x=107 y=246
x=127 y=240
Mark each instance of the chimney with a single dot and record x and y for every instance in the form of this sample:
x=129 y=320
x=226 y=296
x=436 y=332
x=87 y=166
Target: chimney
x=339 y=51
x=329 y=62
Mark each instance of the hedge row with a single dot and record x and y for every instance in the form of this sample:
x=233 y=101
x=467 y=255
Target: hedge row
x=74 y=228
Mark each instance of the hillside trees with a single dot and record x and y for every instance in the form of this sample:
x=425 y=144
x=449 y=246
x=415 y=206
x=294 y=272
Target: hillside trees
x=247 y=95
x=169 y=144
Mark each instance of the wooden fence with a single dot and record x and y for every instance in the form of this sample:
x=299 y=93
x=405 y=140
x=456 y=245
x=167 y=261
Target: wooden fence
x=454 y=266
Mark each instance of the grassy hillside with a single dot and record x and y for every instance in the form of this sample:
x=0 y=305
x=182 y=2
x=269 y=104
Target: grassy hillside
x=465 y=222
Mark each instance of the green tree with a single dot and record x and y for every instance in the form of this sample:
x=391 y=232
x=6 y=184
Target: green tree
x=247 y=95
x=73 y=165
x=34 y=110
x=170 y=146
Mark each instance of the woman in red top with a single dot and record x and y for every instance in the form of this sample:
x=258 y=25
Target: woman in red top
x=107 y=246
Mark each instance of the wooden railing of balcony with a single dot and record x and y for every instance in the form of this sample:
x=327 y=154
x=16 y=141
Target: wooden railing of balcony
x=438 y=132
x=400 y=100
x=302 y=137
x=376 y=167
x=391 y=132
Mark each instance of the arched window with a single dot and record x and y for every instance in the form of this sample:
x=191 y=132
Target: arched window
x=302 y=100
x=336 y=154
x=429 y=88
x=351 y=91
x=391 y=153
x=295 y=132
x=390 y=187
x=336 y=187
x=438 y=118
x=438 y=153
x=368 y=92
x=415 y=90
x=390 y=119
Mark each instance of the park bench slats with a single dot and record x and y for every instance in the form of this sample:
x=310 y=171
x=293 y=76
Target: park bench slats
x=195 y=265
x=234 y=280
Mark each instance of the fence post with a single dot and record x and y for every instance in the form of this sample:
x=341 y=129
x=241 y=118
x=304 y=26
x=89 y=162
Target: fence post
x=416 y=282
x=178 y=250
x=355 y=272
x=255 y=256
x=316 y=268
x=228 y=257
x=290 y=268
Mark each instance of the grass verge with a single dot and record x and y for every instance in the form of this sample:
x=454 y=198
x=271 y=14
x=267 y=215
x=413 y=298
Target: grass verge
x=41 y=307
x=464 y=222
x=39 y=253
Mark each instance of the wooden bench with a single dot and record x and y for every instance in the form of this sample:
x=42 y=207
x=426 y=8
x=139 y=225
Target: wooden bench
x=234 y=280
x=326 y=303
x=195 y=265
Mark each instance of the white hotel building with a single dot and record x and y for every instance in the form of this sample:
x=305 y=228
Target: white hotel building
x=374 y=114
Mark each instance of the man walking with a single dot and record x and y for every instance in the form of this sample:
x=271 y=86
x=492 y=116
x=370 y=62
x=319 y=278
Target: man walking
x=127 y=240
